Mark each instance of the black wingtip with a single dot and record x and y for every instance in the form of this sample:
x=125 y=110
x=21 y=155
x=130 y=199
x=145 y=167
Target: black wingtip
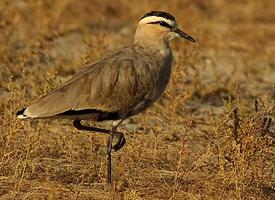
x=20 y=112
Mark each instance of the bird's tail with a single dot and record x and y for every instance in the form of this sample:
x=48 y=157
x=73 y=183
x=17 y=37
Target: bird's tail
x=20 y=114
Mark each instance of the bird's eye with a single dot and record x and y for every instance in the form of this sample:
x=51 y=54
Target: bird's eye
x=164 y=24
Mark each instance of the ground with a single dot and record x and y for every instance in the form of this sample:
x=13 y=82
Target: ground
x=210 y=136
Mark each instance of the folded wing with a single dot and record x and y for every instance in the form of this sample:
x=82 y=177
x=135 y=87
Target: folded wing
x=109 y=88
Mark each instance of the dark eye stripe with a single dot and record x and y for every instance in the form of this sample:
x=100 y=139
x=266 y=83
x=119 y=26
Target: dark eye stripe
x=162 y=23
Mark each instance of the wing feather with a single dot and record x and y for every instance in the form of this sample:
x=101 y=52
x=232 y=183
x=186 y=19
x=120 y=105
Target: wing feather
x=111 y=85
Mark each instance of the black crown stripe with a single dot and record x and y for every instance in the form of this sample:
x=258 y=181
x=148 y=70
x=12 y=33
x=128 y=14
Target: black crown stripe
x=160 y=14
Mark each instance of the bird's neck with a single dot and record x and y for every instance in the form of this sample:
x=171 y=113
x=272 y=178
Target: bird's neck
x=152 y=42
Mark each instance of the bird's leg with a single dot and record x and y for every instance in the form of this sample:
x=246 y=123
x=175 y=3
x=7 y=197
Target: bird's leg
x=113 y=133
x=109 y=150
x=119 y=135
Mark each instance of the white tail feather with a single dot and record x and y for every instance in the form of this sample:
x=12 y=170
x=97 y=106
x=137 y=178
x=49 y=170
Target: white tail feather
x=22 y=116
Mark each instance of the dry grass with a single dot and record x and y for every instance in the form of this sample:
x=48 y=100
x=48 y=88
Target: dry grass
x=210 y=136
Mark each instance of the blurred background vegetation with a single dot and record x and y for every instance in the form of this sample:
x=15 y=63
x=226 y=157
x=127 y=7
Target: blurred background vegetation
x=210 y=136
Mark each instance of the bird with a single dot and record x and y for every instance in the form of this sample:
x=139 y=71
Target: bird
x=122 y=84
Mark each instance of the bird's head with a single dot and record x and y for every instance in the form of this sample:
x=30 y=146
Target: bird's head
x=160 y=25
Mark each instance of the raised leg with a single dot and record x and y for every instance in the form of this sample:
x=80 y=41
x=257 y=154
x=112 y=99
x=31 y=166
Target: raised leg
x=113 y=133
x=121 y=139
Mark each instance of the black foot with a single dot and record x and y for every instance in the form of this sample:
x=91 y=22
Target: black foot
x=120 y=143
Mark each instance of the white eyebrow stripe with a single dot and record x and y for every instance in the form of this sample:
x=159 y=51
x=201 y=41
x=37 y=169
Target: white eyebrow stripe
x=150 y=19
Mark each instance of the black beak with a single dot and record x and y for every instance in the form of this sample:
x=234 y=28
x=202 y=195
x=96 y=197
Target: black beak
x=184 y=35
